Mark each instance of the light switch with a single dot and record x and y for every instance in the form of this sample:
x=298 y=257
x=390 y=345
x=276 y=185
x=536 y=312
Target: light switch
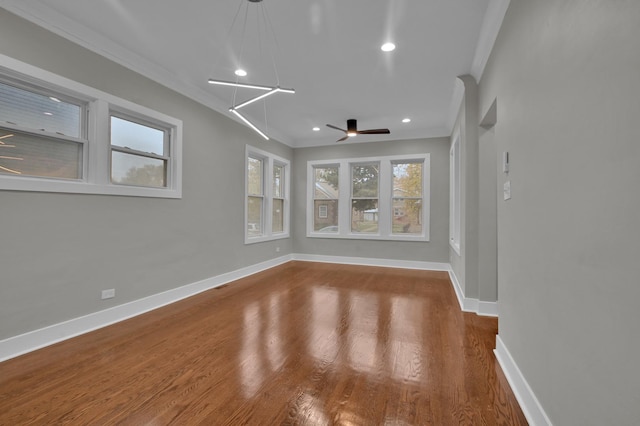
x=507 y=190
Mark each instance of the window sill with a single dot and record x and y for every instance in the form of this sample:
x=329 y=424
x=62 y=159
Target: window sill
x=11 y=183
x=263 y=238
x=378 y=237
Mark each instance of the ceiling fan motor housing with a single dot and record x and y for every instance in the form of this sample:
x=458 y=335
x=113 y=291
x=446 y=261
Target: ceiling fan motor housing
x=351 y=126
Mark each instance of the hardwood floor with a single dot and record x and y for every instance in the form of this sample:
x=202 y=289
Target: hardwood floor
x=303 y=343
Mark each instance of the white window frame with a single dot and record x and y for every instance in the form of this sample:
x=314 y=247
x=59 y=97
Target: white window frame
x=385 y=199
x=96 y=177
x=269 y=160
x=455 y=178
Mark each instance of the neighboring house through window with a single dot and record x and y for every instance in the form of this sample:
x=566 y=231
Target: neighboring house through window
x=369 y=198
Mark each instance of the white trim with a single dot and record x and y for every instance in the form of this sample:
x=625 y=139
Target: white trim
x=455 y=105
x=488 y=309
x=385 y=197
x=52 y=20
x=455 y=192
x=531 y=407
x=491 y=24
x=269 y=160
x=96 y=152
x=385 y=263
x=469 y=304
x=33 y=340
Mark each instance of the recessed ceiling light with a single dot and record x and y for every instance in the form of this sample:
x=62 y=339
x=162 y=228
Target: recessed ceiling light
x=406 y=120
x=388 y=47
x=48 y=113
x=316 y=129
x=240 y=72
x=54 y=99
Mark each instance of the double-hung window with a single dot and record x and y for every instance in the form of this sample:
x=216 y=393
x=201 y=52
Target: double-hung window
x=42 y=133
x=57 y=135
x=384 y=198
x=139 y=152
x=267 y=196
x=325 y=191
x=407 y=197
x=364 y=198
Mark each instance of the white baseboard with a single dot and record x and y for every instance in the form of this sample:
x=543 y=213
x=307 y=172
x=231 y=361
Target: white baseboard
x=469 y=304
x=33 y=340
x=488 y=309
x=386 y=263
x=529 y=404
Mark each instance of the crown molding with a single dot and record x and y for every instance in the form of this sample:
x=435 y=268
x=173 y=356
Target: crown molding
x=59 y=24
x=491 y=24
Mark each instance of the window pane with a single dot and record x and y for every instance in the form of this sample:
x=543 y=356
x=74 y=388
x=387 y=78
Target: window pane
x=278 y=181
x=407 y=216
x=30 y=155
x=254 y=177
x=278 y=215
x=127 y=134
x=364 y=216
x=130 y=169
x=39 y=112
x=365 y=180
x=407 y=180
x=326 y=183
x=254 y=216
x=325 y=216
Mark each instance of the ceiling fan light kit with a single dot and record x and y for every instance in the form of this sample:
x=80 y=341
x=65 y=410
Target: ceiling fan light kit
x=352 y=130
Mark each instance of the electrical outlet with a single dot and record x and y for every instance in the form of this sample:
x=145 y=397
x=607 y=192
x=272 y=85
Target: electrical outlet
x=277 y=249
x=108 y=294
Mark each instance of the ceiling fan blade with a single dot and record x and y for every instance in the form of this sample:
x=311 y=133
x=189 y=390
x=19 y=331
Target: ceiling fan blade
x=337 y=128
x=343 y=139
x=374 y=132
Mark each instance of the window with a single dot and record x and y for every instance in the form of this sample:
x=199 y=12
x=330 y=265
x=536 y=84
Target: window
x=42 y=133
x=139 y=153
x=454 y=194
x=267 y=191
x=255 y=196
x=364 y=198
x=407 y=198
x=325 y=198
x=277 y=223
x=57 y=135
x=388 y=198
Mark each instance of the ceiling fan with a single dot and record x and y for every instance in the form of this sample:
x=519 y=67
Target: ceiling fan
x=352 y=130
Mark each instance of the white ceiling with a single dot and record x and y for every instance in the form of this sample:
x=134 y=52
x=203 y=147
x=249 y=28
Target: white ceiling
x=328 y=50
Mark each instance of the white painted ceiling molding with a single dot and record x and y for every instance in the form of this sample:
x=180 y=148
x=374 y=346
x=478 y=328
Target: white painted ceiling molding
x=49 y=19
x=491 y=25
x=418 y=80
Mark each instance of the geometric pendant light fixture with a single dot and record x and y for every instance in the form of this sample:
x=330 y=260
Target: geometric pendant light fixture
x=266 y=90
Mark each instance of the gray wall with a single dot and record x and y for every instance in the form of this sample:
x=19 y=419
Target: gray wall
x=436 y=250
x=60 y=250
x=565 y=75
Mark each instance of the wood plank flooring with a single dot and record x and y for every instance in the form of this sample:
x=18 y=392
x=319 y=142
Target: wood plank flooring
x=303 y=343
